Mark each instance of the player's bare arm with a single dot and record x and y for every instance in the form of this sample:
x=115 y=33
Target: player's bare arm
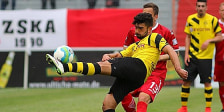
x=187 y=47
x=217 y=38
x=166 y=57
x=175 y=60
x=110 y=56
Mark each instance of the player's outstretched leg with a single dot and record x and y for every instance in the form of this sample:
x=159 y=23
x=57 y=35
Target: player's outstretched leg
x=78 y=67
x=58 y=65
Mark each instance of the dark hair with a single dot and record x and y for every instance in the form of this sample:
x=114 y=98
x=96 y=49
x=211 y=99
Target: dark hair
x=143 y=18
x=153 y=6
x=202 y=1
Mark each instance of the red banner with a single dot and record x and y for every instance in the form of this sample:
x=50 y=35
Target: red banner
x=99 y=27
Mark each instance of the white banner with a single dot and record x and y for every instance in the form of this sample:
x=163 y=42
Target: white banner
x=34 y=30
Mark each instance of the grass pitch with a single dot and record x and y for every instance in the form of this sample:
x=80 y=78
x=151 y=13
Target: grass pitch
x=90 y=100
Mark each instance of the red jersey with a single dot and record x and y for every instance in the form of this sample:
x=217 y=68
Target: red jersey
x=219 y=56
x=164 y=32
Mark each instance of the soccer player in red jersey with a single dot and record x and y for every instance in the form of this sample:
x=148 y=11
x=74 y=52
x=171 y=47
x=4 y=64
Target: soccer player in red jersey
x=219 y=59
x=155 y=82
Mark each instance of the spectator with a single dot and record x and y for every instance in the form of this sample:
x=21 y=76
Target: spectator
x=4 y=4
x=112 y=3
x=44 y=4
x=91 y=4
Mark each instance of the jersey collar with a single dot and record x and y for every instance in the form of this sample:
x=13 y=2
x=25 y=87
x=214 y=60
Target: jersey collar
x=221 y=22
x=155 y=26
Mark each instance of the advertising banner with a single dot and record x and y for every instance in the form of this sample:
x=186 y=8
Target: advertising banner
x=43 y=75
x=32 y=29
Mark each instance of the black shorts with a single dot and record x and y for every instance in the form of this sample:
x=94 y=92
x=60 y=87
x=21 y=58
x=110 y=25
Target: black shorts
x=130 y=74
x=203 y=67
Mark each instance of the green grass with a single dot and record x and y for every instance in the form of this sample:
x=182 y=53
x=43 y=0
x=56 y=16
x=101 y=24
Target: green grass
x=90 y=100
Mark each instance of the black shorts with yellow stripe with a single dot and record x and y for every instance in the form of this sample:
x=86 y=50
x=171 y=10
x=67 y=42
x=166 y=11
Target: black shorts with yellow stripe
x=203 y=67
x=130 y=74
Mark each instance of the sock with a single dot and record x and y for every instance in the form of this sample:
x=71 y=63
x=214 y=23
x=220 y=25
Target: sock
x=221 y=95
x=128 y=103
x=208 y=96
x=83 y=68
x=142 y=106
x=185 y=92
x=109 y=110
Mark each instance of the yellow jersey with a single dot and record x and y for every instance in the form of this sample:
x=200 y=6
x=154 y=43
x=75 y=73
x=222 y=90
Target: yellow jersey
x=201 y=29
x=148 y=50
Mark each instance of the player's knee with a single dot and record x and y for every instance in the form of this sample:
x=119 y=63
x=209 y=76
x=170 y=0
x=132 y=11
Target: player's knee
x=108 y=103
x=104 y=107
x=109 y=110
x=107 y=106
x=105 y=67
x=144 y=97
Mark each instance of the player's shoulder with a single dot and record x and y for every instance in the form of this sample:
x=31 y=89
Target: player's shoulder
x=192 y=16
x=163 y=28
x=132 y=28
x=209 y=15
x=156 y=35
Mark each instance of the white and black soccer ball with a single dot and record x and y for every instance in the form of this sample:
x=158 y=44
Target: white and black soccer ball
x=64 y=54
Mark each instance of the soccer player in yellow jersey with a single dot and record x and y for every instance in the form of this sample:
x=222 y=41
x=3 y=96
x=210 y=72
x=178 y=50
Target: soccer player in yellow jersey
x=203 y=31
x=131 y=66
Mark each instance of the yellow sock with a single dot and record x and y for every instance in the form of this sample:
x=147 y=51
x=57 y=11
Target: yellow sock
x=185 y=92
x=84 y=68
x=208 y=96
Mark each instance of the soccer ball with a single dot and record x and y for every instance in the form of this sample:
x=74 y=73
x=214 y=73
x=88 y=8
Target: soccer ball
x=64 y=54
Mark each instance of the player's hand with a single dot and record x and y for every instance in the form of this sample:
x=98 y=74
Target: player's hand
x=106 y=57
x=182 y=73
x=186 y=60
x=205 y=45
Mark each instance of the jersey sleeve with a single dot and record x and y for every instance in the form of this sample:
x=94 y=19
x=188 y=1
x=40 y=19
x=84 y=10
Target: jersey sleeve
x=171 y=40
x=162 y=43
x=128 y=52
x=156 y=40
x=216 y=26
x=187 y=26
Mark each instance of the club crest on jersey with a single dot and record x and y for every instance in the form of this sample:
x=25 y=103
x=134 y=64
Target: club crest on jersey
x=141 y=46
x=191 y=30
x=171 y=31
x=138 y=46
x=174 y=41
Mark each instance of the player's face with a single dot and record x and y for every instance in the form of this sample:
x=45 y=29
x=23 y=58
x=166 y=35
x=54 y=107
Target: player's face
x=141 y=30
x=201 y=8
x=221 y=11
x=150 y=11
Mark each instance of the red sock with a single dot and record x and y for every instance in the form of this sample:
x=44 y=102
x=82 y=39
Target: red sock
x=142 y=106
x=128 y=103
x=221 y=95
